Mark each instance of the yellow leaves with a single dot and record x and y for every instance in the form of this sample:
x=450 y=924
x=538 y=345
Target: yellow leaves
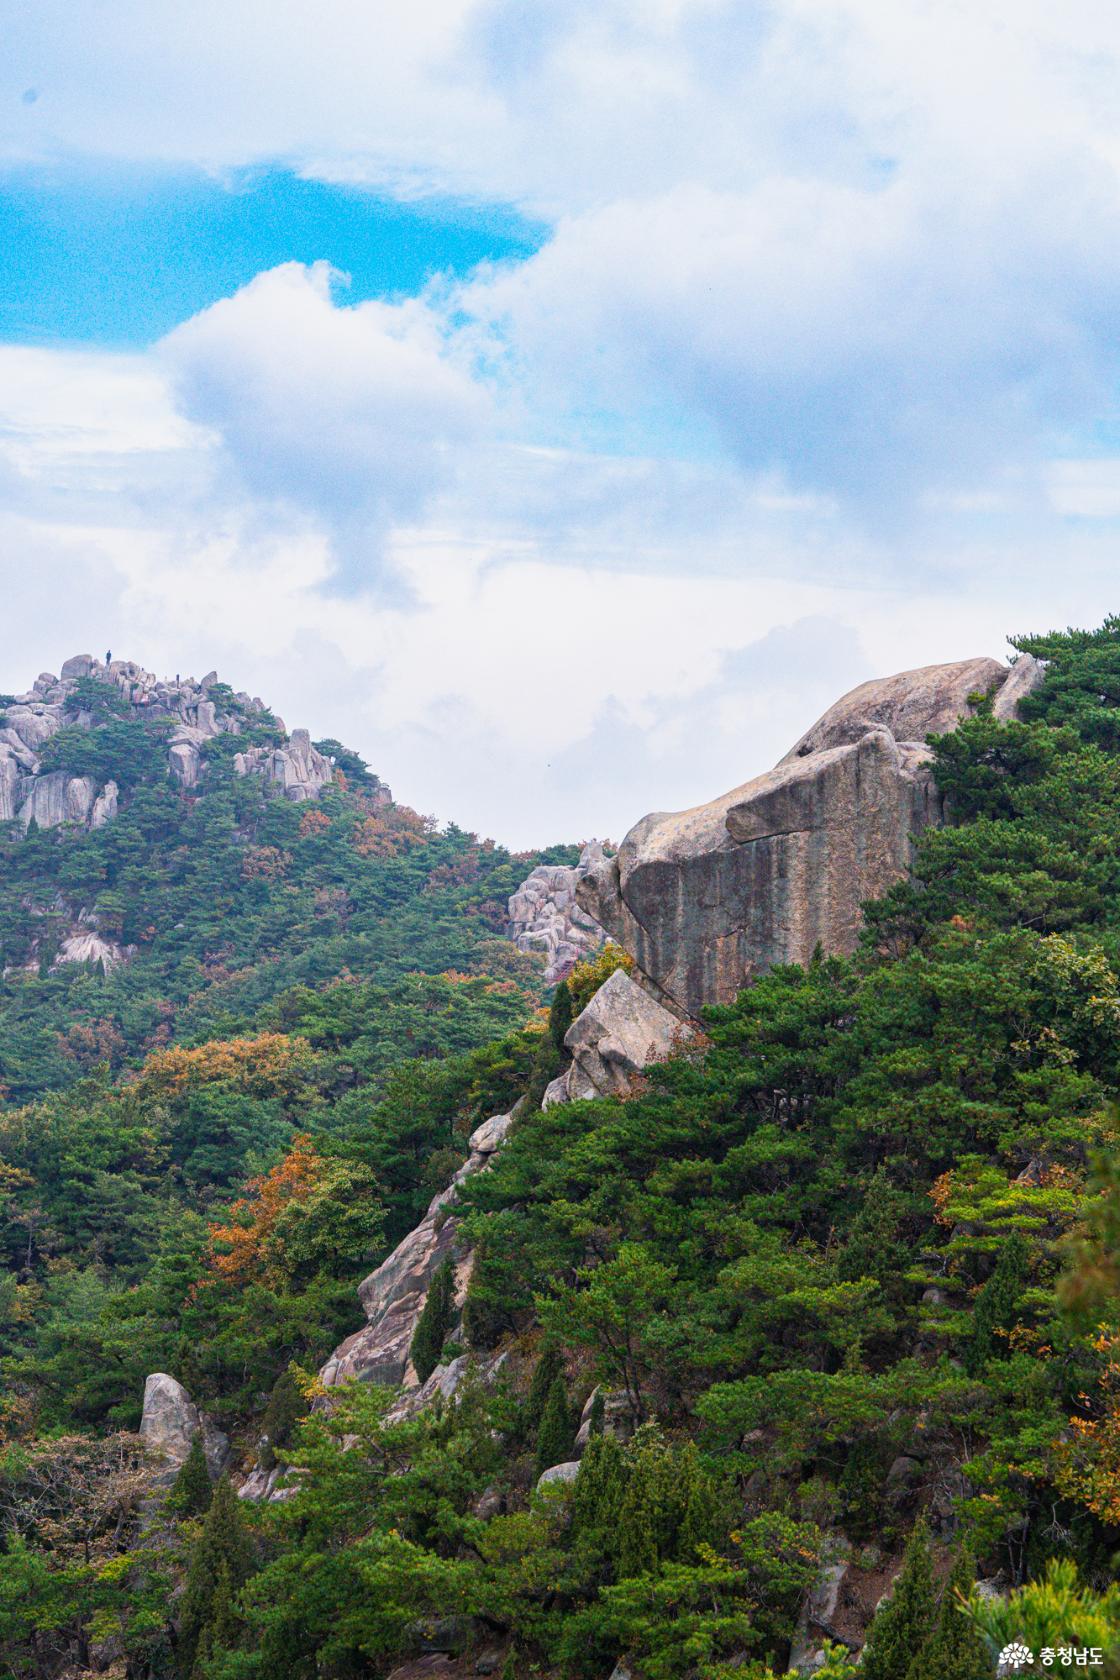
x=388 y=832
x=264 y=863
x=270 y=1064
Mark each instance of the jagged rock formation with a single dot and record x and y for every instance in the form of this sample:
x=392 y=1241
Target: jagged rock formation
x=53 y=797
x=705 y=899
x=544 y=914
x=393 y=1296
x=171 y=1420
x=621 y=1031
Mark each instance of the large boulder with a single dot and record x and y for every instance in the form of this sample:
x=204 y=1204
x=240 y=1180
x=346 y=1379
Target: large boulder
x=621 y=1031
x=298 y=768
x=171 y=1420
x=708 y=898
x=57 y=798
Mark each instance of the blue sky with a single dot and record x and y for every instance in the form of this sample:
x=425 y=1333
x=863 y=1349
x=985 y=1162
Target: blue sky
x=116 y=254
x=698 y=359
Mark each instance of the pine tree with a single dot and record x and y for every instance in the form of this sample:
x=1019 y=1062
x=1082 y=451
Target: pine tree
x=599 y=1488
x=221 y=1563
x=554 y=1437
x=996 y=1305
x=286 y=1405
x=434 y=1322
x=192 y=1489
x=638 y=1523
x=954 y=1651
x=560 y=1014
x=549 y=1366
x=903 y=1625
x=598 y=1414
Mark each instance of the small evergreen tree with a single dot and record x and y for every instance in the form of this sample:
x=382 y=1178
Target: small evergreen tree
x=286 y=1405
x=560 y=1014
x=903 y=1625
x=955 y=1650
x=554 y=1437
x=434 y=1322
x=220 y=1564
x=996 y=1305
x=598 y=1413
x=599 y=1490
x=549 y=1366
x=192 y=1489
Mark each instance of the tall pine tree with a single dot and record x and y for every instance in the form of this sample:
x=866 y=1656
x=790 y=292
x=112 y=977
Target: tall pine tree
x=434 y=1322
x=555 y=1435
x=192 y=1490
x=903 y=1625
x=221 y=1563
x=954 y=1651
x=549 y=1366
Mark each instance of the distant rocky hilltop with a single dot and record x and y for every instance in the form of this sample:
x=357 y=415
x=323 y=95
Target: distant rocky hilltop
x=194 y=714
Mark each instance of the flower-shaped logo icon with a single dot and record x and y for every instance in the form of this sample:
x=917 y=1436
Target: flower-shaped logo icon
x=1015 y=1657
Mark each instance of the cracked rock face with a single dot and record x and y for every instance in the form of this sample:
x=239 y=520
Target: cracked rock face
x=544 y=914
x=706 y=899
x=171 y=1420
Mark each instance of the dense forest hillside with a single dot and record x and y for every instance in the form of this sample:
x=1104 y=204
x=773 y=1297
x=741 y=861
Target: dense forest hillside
x=798 y=1348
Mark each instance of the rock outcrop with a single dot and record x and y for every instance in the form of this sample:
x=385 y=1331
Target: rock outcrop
x=544 y=914
x=705 y=899
x=171 y=1420
x=620 y=1033
x=393 y=1296
x=198 y=712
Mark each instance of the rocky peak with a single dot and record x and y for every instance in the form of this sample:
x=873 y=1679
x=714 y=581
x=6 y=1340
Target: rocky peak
x=197 y=712
x=705 y=899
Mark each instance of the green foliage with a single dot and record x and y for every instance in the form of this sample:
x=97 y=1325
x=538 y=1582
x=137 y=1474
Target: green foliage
x=557 y=1428
x=434 y=1322
x=220 y=1564
x=904 y=1623
x=954 y=1650
x=587 y=976
x=560 y=1014
x=1057 y=1610
x=286 y=1405
x=854 y=1257
x=192 y=1491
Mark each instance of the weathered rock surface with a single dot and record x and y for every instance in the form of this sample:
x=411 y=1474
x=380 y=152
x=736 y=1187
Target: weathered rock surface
x=620 y=1033
x=393 y=1296
x=618 y=1416
x=707 y=898
x=545 y=916
x=171 y=1420
x=559 y=1475
x=818 y=1613
x=50 y=798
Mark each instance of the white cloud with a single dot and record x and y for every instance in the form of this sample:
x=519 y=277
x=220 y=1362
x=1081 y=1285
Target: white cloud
x=347 y=414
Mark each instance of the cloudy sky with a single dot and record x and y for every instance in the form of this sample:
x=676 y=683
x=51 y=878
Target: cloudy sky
x=560 y=403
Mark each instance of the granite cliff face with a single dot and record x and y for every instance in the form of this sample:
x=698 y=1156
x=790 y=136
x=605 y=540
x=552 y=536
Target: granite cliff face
x=705 y=899
x=195 y=713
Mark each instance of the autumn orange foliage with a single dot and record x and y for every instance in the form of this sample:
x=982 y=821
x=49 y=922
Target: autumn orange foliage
x=239 y=1250
x=272 y=1064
